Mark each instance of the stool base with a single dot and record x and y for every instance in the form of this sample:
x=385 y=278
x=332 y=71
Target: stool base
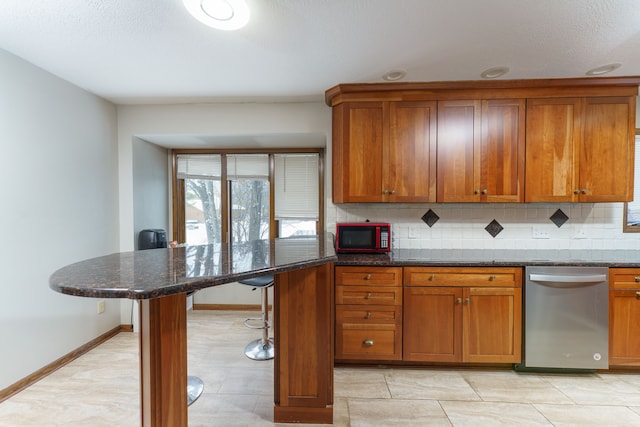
x=259 y=349
x=194 y=389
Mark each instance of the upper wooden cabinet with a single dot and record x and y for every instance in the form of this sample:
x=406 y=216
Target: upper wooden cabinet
x=481 y=150
x=551 y=140
x=384 y=152
x=580 y=149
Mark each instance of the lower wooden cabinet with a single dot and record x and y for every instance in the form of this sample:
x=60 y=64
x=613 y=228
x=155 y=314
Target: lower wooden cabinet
x=471 y=315
x=368 y=313
x=624 y=315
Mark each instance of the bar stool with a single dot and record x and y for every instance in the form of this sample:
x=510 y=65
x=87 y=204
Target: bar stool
x=262 y=348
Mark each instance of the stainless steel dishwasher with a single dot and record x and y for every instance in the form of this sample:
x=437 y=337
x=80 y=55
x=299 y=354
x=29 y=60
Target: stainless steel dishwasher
x=566 y=320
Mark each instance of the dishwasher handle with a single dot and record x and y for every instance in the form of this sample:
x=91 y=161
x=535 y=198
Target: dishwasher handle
x=566 y=278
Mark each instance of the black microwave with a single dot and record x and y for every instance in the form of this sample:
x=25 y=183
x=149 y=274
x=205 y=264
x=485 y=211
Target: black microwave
x=363 y=237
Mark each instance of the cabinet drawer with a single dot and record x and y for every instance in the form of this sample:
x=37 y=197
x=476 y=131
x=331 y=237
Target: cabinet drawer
x=369 y=276
x=469 y=276
x=368 y=296
x=368 y=341
x=624 y=278
x=369 y=315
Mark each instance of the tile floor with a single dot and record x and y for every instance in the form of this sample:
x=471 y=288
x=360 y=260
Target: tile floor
x=101 y=389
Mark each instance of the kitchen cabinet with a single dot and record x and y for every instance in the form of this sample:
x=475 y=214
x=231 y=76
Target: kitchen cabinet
x=470 y=315
x=624 y=312
x=384 y=151
x=368 y=313
x=481 y=150
x=579 y=149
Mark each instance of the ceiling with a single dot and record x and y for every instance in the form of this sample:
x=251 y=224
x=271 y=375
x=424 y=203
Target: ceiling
x=152 y=51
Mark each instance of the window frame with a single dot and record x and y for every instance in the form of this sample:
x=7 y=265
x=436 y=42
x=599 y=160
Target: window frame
x=626 y=228
x=178 y=189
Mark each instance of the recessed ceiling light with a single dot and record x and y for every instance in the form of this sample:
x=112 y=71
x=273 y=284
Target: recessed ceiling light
x=603 y=69
x=494 y=73
x=220 y=14
x=394 y=75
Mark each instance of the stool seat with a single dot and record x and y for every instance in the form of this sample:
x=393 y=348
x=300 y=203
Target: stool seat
x=262 y=348
x=258 y=282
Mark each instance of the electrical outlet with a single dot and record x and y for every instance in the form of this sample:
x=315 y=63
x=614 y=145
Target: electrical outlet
x=100 y=307
x=539 y=233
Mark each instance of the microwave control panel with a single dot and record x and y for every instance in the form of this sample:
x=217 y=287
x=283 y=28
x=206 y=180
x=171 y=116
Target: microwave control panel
x=384 y=237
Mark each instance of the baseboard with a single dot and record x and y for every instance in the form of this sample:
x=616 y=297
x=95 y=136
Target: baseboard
x=228 y=307
x=59 y=363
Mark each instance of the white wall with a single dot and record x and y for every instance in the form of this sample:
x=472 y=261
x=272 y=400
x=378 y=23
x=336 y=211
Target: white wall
x=59 y=205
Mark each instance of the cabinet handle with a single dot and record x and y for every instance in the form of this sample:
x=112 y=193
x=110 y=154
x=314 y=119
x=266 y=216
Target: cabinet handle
x=433 y=277
x=584 y=191
x=484 y=191
x=637 y=278
x=368 y=277
x=467 y=300
x=492 y=277
x=392 y=192
x=638 y=294
x=458 y=300
x=476 y=191
x=368 y=316
x=576 y=191
x=385 y=191
x=368 y=296
x=367 y=343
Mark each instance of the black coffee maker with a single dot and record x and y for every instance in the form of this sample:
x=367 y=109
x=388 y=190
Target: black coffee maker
x=152 y=238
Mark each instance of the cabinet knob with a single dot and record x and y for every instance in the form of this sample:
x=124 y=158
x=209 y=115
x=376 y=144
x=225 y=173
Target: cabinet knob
x=392 y=192
x=576 y=191
x=484 y=191
x=467 y=300
x=492 y=277
x=368 y=296
x=368 y=277
x=367 y=343
x=637 y=278
x=476 y=191
x=458 y=300
x=584 y=191
x=433 y=277
x=638 y=294
x=368 y=316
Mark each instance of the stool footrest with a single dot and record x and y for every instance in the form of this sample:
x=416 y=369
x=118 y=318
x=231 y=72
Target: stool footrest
x=262 y=325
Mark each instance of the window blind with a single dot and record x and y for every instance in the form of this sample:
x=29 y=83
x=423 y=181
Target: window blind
x=296 y=186
x=196 y=166
x=248 y=166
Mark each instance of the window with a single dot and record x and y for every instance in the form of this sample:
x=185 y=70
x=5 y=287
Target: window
x=631 y=222
x=233 y=197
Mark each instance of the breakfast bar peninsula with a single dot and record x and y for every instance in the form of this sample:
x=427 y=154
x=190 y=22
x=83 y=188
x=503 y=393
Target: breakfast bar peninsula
x=161 y=279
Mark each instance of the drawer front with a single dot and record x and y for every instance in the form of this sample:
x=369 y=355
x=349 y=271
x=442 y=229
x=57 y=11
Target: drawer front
x=368 y=342
x=470 y=276
x=624 y=278
x=382 y=314
x=369 y=276
x=368 y=296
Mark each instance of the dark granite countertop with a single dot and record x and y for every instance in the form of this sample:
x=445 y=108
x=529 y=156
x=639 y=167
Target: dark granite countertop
x=158 y=272
x=505 y=258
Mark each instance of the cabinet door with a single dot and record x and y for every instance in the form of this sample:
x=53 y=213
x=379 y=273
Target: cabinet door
x=502 y=150
x=412 y=152
x=458 y=130
x=492 y=325
x=432 y=324
x=606 y=170
x=624 y=330
x=553 y=134
x=358 y=150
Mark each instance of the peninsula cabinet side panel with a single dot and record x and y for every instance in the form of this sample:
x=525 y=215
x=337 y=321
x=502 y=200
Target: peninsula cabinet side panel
x=303 y=335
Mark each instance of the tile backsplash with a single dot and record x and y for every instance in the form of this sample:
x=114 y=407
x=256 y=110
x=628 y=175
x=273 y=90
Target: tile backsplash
x=472 y=226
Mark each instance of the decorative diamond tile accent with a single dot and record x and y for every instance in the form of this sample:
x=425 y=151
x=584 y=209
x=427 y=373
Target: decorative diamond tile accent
x=494 y=228
x=430 y=218
x=559 y=218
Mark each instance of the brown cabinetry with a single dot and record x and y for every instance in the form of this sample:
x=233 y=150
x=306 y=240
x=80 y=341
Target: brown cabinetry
x=471 y=315
x=579 y=149
x=384 y=151
x=368 y=313
x=624 y=315
x=481 y=150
